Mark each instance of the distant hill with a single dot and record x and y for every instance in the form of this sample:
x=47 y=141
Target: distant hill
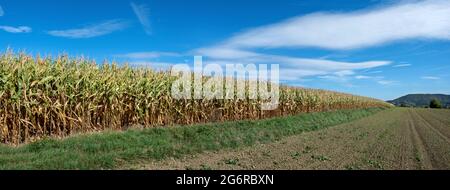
x=421 y=100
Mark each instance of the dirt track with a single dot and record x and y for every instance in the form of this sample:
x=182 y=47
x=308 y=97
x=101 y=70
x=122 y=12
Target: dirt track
x=392 y=139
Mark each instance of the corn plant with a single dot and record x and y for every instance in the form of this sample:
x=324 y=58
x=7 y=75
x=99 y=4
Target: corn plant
x=56 y=97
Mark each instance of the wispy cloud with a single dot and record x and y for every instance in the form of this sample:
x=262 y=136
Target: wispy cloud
x=374 y=72
x=1 y=11
x=430 y=78
x=387 y=82
x=218 y=52
x=149 y=55
x=334 y=78
x=143 y=14
x=13 y=29
x=20 y=29
x=411 y=20
x=377 y=79
x=428 y=19
x=402 y=65
x=362 y=77
x=292 y=68
x=91 y=31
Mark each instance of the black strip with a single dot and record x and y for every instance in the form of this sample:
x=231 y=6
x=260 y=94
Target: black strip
x=319 y=179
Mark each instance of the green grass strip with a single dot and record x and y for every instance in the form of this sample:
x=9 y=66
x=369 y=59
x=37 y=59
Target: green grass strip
x=111 y=149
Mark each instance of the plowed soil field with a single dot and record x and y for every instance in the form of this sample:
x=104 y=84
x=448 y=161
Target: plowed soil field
x=398 y=138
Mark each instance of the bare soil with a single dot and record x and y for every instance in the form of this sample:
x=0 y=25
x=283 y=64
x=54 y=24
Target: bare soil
x=392 y=139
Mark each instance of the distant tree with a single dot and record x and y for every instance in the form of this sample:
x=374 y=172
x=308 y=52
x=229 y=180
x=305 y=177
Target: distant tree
x=435 y=104
x=406 y=105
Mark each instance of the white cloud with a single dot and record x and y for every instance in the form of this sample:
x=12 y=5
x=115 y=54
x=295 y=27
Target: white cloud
x=286 y=74
x=334 y=78
x=339 y=76
x=375 y=72
x=251 y=57
x=149 y=55
x=410 y=20
x=387 y=82
x=225 y=53
x=91 y=31
x=362 y=77
x=378 y=79
x=298 y=74
x=344 y=80
x=1 y=11
x=20 y=29
x=344 y=73
x=402 y=65
x=430 y=78
x=142 y=13
x=291 y=68
x=418 y=19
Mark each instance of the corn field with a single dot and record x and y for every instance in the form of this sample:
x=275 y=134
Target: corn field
x=56 y=97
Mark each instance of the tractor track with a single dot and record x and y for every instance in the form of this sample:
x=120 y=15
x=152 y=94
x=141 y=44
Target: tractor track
x=436 y=143
x=421 y=153
x=444 y=133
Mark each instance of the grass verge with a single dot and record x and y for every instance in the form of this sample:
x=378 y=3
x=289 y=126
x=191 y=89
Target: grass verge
x=109 y=150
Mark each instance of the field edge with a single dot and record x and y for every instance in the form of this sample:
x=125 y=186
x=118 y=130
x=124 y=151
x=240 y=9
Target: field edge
x=112 y=149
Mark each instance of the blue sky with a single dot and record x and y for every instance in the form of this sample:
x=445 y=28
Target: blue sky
x=382 y=49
